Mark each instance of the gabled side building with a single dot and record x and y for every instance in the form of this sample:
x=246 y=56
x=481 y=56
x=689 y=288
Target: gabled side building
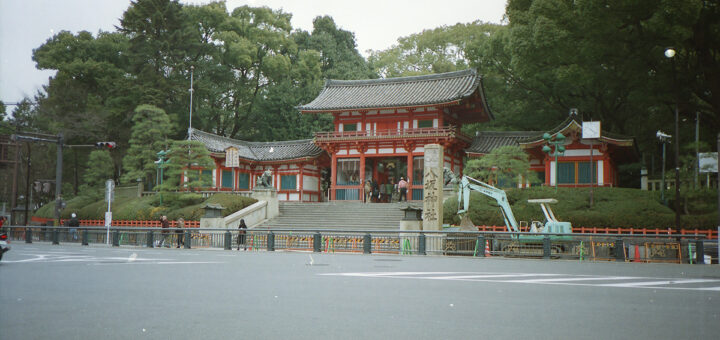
x=574 y=165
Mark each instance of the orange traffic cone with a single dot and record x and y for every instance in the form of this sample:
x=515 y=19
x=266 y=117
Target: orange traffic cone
x=487 y=248
x=636 y=258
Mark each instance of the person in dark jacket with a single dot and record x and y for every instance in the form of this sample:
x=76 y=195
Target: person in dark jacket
x=179 y=231
x=73 y=223
x=241 y=235
x=164 y=224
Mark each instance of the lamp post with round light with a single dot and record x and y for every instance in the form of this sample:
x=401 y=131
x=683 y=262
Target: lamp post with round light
x=558 y=143
x=670 y=54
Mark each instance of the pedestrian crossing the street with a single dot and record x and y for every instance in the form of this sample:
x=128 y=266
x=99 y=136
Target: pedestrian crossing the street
x=696 y=284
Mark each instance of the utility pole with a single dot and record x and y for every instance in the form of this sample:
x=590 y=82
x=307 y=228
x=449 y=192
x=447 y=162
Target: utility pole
x=27 y=187
x=58 y=179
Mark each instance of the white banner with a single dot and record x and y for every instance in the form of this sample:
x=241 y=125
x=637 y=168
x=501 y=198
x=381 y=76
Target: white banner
x=708 y=162
x=232 y=159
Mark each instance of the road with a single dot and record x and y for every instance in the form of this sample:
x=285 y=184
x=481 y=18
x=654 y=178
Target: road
x=98 y=292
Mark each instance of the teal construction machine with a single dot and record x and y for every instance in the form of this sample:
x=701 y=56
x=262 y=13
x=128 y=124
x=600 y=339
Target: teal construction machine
x=551 y=225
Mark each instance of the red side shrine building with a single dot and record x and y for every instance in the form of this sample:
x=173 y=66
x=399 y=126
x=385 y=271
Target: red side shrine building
x=382 y=125
x=601 y=155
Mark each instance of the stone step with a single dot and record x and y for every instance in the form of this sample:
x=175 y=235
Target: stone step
x=338 y=215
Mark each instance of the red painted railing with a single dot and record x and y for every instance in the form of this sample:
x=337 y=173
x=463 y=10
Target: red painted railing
x=709 y=233
x=120 y=223
x=449 y=131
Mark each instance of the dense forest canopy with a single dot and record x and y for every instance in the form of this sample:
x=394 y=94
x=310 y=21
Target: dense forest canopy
x=250 y=69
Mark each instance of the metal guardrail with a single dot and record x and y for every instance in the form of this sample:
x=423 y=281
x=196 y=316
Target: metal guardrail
x=584 y=247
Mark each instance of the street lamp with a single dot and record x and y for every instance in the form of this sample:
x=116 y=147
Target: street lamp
x=557 y=142
x=161 y=162
x=663 y=137
x=670 y=54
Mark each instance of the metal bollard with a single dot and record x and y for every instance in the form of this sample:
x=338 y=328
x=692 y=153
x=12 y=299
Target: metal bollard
x=228 y=240
x=480 y=245
x=421 y=244
x=546 y=248
x=55 y=236
x=619 y=250
x=116 y=238
x=149 y=238
x=699 y=252
x=187 y=239
x=317 y=242
x=28 y=235
x=271 y=241
x=85 y=237
x=367 y=244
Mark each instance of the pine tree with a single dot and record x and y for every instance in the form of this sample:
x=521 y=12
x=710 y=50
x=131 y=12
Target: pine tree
x=151 y=126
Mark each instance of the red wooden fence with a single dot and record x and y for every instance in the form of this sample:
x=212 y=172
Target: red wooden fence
x=710 y=234
x=120 y=223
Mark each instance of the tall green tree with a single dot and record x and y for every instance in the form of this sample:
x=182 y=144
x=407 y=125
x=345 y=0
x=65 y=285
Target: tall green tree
x=504 y=165
x=606 y=58
x=149 y=136
x=100 y=168
x=187 y=160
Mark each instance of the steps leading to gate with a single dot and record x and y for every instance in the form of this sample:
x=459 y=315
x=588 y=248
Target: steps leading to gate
x=338 y=215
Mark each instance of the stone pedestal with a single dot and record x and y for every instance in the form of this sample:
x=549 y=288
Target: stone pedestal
x=268 y=195
x=411 y=221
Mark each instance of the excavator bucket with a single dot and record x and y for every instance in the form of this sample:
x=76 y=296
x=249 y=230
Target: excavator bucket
x=466 y=224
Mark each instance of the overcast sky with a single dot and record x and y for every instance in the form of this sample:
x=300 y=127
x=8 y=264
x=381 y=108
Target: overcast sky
x=377 y=24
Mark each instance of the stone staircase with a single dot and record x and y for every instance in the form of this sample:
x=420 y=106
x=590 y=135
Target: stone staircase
x=338 y=215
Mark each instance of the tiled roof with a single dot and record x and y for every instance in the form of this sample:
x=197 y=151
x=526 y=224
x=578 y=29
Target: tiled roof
x=577 y=122
x=395 y=92
x=486 y=141
x=259 y=151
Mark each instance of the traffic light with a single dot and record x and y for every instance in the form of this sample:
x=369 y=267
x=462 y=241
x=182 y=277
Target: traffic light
x=106 y=145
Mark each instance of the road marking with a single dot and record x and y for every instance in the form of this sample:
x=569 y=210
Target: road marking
x=548 y=278
x=656 y=283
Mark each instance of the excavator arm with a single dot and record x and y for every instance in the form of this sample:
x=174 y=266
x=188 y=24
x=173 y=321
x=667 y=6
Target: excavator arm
x=468 y=184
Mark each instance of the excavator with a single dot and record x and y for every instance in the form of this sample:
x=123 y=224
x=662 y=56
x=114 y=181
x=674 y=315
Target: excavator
x=551 y=225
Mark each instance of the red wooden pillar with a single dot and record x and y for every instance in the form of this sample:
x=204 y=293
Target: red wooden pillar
x=409 y=173
x=362 y=177
x=302 y=166
x=333 y=176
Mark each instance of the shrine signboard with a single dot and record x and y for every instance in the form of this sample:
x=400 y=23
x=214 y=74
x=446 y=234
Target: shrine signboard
x=433 y=187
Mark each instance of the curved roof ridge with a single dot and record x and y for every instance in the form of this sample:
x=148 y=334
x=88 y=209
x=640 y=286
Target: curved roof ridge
x=396 y=80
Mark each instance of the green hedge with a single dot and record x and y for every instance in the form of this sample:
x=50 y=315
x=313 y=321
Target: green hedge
x=612 y=207
x=174 y=205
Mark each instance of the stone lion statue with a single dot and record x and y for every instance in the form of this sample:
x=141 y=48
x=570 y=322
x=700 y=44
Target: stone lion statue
x=449 y=177
x=265 y=180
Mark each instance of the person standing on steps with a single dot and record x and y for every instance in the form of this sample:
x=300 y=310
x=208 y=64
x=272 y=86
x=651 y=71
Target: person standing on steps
x=241 y=235
x=402 y=186
x=368 y=190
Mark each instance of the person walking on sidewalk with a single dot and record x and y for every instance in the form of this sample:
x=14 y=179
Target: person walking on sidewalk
x=179 y=231
x=164 y=224
x=73 y=223
x=241 y=235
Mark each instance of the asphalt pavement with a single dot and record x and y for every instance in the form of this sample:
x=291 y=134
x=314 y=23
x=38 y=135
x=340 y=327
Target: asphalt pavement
x=99 y=292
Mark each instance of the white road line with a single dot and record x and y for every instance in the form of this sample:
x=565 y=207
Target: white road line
x=491 y=276
x=565 y=279
x=569 y=279
x=655 y=283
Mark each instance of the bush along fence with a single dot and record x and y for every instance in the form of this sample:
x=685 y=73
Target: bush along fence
x=584 y=247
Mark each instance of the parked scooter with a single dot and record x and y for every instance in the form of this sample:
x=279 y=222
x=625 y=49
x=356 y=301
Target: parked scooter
x=3 y=244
